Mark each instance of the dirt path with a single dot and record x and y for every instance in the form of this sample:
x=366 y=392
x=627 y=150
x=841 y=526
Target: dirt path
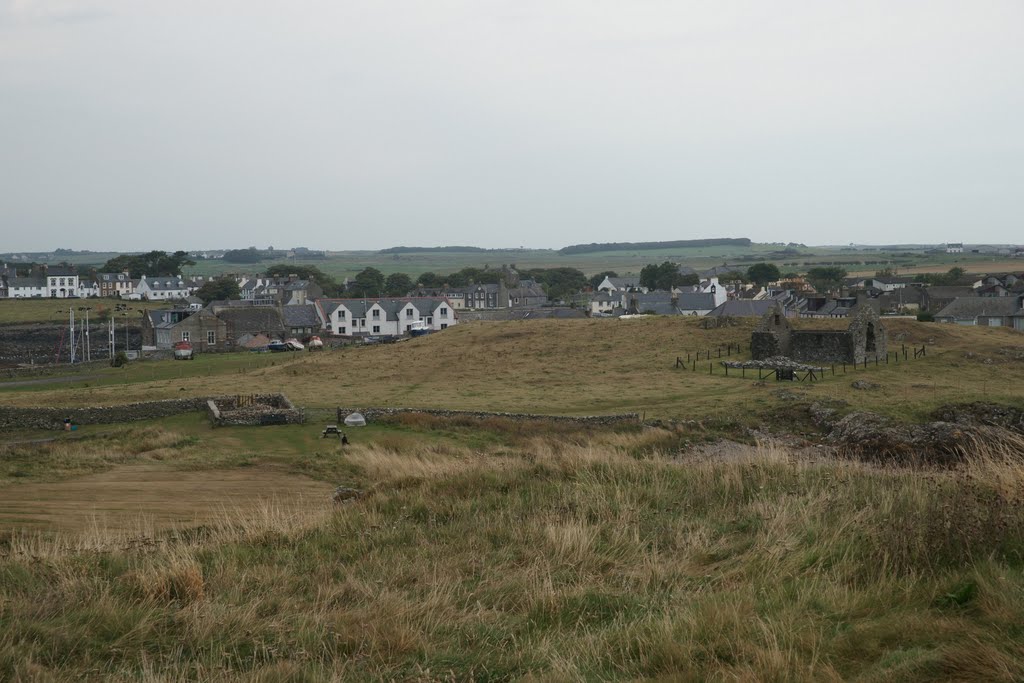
x=163 y=498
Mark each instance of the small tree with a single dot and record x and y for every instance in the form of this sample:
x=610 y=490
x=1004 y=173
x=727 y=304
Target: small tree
x=825 y=278
x=398 y=284
x=763 y=273
x=430 y=279
x=367 y=282
x=219 y=289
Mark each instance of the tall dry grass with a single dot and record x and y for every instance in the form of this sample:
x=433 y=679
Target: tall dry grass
x=600 y=557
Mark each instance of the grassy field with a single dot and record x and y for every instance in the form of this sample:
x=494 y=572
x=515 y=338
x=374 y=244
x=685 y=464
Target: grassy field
x=598 y=366
x=491 y=554
x=497 y=550
x=56 y=310
x=347 y=264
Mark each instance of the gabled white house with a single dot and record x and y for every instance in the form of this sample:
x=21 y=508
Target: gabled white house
x=26 y=287
x=384 y=317
x=61 y=282
x=161 y=288
x=621 y=285
x=718 y=292
x=88 y=288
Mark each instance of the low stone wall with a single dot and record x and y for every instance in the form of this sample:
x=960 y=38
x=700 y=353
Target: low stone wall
x=384 y=413
x=53 y=418
x=253 y=409
x=274 y=409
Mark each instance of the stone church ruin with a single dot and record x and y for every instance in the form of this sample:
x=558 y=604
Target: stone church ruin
x=865 y=338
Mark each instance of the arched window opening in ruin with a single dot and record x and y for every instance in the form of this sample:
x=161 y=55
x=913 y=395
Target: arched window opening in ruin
x=869 y=345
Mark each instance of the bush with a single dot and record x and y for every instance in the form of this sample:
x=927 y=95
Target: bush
x=926 y=317
x=120 y=359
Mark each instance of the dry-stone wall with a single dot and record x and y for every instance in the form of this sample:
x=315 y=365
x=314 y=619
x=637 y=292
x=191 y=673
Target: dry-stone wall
x=254 y=409
x=53 y=418
x=266 y=409
x=383 y=413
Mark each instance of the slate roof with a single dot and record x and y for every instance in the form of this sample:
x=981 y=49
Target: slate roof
x=58 y=271
x=113 y=277
x=834 y=308
x=949 y=291
x=528 y=288
x=392 y=307
x=26 y=282
x=301 y=316
x=965 y=308
x=745 y=308
x=662 y=303
x=165 y=283
x=625 y=282
x=253 y=320
x=166 y=318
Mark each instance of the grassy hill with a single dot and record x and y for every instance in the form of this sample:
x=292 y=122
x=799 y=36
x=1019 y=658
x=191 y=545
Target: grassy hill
x=498 y=550
x=579 y=367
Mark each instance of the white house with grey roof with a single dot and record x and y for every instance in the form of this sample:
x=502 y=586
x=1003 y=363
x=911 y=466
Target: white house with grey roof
x=161 y=288
x=31 y=287
x=383 y=317
x=620 y=285
x=1002 y=311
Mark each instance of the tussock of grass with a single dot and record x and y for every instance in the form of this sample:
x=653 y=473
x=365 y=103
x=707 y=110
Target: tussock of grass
x=592 y=558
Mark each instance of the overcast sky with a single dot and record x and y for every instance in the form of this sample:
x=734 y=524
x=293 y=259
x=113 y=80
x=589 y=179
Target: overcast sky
x=136 y=124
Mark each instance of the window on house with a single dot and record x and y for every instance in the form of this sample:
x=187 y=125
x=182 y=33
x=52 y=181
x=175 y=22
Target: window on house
x=341 y=314
x=376 y=329
x=430 y=320
x=408 y=313
x=53 y=282
x=444 y=326
x=341 y=330
x=185 y=336
x=211 y=337
x=444 y=312
x=53 y=292
x=376 y=314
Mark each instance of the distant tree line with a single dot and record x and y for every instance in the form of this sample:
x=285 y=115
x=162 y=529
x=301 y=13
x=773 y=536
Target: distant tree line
x=153 y=263
x=251 y=255
x=421 y=250
x=630 y=246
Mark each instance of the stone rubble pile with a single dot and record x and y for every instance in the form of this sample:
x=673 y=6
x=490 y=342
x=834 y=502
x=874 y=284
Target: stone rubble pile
x=773 y=363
